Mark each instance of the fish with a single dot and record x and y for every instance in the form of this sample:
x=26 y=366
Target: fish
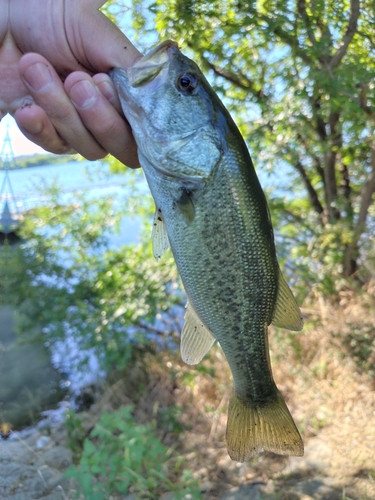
x=212 y=212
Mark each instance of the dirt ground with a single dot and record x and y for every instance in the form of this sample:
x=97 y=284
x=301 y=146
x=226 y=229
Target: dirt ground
x=327 y=376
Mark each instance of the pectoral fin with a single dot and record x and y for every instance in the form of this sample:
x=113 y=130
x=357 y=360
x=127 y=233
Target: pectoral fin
x=159 y=236
x=186 y=206
x=196 y=339
x=287 y=314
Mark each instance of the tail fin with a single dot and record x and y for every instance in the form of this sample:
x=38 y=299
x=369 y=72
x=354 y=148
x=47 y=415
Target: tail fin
x=252 y=429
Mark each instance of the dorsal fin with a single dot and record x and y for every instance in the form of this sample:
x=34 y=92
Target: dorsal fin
x=159 y=236
x=196 y=339
x=287 y=314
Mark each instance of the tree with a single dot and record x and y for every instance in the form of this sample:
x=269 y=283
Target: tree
x=66 y=281
x=299 y=78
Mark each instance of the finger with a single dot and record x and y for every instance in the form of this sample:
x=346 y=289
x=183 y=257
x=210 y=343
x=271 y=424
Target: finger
x=48 y=92
x=34 y=123
x=100 y=117
x=114 y=49
x=68 y=35
x=106 y=87
x=3 y=21
x=95 y=3
x=12 y=89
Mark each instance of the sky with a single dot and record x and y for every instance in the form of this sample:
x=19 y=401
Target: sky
x=21 y=145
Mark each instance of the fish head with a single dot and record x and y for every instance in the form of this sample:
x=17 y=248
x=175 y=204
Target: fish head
x=171 y=109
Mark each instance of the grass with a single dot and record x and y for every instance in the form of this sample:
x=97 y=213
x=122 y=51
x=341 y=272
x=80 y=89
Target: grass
x=327 y=385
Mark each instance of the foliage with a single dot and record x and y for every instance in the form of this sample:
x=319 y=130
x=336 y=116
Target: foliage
x=69 y=282
x=299 y=78
x=121 y=456
x=30 y=383
x=76 y=434
x=40 y=160
x=66 y=281
x=360 y=344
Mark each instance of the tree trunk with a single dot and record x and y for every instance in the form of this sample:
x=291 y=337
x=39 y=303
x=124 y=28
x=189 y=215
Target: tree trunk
x=350 y=265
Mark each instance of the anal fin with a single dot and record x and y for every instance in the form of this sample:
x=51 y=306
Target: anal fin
x=287 y=314
x=196 y=339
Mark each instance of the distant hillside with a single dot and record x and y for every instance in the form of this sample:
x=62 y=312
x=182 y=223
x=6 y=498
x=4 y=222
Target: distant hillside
x=39 y=160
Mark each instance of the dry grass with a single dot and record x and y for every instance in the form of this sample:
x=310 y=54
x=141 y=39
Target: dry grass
x=326 y=377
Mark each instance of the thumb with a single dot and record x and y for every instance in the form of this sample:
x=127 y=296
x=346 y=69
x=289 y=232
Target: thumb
x=103 y=43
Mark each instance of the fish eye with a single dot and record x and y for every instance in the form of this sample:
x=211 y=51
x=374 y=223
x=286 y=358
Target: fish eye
x=187 y=83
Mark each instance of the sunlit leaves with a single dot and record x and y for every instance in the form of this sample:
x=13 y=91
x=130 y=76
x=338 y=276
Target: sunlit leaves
x=69 y=282
x=293 y=74
x=122 y=456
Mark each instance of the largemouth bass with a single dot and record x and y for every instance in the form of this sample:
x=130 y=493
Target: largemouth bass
x=211 y=210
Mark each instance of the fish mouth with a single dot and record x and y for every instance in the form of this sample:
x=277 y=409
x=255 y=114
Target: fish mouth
x=150 y=65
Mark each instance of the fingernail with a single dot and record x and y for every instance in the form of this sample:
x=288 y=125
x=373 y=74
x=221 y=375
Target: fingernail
x=38 y=76
x=108 y=90
x=82 y=93
x=33 y=127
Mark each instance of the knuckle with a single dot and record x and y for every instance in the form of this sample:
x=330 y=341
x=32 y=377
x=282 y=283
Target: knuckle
x=106 y=129
x=61 y=111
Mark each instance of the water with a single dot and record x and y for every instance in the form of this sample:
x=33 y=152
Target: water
x=93 y=178
x=70 y=176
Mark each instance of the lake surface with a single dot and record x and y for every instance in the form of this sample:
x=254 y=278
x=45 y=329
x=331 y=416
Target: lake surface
x=71 y=176
x=93 y=178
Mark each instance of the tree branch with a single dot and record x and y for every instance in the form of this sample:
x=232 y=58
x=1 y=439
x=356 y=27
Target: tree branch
x=369 y=190
x=346 y=187
x=368 y=37
x=290 y=40
x=348 y=37
x=240 y=80
x=352 y=250
x=293 y=44
x=313 y=195
x=301 y=6
x=329 y=167
x=363 y=102
x=315 y=158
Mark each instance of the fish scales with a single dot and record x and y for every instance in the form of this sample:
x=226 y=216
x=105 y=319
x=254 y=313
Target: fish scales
x=215 y=217
x=225 y=272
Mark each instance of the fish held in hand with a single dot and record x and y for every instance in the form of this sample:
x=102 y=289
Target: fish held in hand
x=211 y=210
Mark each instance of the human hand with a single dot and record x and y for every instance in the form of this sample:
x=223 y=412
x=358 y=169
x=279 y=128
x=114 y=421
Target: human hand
x=82 y=115
x=49 y=111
